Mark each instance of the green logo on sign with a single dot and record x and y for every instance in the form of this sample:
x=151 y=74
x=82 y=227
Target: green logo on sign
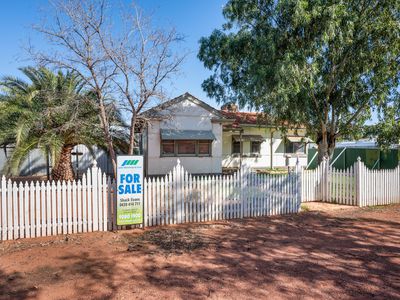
x=130 y=163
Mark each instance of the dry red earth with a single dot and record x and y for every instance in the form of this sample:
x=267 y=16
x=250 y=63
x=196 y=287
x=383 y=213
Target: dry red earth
x=329 y=252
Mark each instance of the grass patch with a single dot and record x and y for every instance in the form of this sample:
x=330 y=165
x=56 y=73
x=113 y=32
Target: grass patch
x=379 y=207
x=304 y=208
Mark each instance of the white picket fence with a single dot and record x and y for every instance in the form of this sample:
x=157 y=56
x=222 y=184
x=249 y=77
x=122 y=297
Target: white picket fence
x=378 y=187
x=357 y=185
x=52 y=208
x=180 y=197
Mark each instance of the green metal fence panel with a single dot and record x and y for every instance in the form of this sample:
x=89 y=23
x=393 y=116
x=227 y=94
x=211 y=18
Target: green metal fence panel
x=311 y=153
x=373 y=158
x=389 y=159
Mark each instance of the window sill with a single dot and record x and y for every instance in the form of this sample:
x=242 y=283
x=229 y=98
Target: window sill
x=295 y=154
x=237 y=155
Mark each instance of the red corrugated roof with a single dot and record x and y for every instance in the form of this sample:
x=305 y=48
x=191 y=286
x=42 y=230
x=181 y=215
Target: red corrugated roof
x=241 y=117
x=251 y=118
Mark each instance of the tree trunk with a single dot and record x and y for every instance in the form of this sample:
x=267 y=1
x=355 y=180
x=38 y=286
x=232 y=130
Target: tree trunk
x=63 y=170
x=132 y=134
x=107 y=135
x=109 y=142
x=326 y=146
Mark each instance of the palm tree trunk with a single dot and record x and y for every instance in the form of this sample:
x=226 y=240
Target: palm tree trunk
x=63 y=170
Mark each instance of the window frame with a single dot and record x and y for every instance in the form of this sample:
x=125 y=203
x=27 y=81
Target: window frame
x=292 y=148
x=185 y=154
x=167 y=154
x=176 y=154
x=259 y=147
x=240 y=147
x=209 y=148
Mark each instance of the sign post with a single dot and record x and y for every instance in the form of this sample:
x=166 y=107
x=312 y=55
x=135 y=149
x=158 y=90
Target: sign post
x=129 y=190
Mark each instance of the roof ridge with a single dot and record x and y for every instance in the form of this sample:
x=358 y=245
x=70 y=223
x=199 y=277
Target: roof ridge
x=178 y=99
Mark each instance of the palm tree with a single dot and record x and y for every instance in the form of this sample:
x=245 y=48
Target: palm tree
x=53 y=112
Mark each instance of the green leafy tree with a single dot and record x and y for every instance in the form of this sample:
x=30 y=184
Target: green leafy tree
x=322 y=64
x=387 y=129
x=53 y=112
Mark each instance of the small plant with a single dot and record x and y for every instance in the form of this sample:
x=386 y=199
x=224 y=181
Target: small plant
x=304 y=208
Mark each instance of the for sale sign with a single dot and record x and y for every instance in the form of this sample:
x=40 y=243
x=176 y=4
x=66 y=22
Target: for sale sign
x=129 y=190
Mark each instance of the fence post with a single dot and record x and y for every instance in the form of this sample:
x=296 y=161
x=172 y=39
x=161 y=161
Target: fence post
x=244 y=170
x=95 y=197
x=324 y=179
x=3 y=217
x=359 y=186
x=298 y=176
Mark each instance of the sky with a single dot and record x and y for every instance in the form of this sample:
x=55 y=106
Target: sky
x=192 y=18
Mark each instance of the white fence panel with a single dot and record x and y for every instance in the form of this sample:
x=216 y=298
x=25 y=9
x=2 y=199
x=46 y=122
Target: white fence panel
x=50 y=208
x=180 y=197
x=380 y=187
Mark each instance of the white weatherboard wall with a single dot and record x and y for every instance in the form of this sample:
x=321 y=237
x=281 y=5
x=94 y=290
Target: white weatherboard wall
x=264 y=159
x=185 y=115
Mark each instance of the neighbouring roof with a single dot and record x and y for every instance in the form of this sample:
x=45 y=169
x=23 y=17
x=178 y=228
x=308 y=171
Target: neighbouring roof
x=171 y=134
x=155 y=111
x=366 y=144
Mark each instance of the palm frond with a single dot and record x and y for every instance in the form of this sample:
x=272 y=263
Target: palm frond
x=51 y=110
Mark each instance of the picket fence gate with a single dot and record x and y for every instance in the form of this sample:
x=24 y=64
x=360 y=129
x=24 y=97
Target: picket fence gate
x=328 y=184
x=356 y=185
x=179 y=197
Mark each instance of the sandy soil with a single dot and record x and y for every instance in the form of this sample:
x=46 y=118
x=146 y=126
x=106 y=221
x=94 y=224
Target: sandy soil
x=328 y=252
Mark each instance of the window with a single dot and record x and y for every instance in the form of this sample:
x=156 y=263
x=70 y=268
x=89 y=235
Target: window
x=256 y=147
x=186 y=148
x=168 y=148
x=294 y=147
x=235 y=147
x=204 y=148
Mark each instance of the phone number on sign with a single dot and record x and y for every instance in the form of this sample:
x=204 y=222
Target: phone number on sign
x=130 y=216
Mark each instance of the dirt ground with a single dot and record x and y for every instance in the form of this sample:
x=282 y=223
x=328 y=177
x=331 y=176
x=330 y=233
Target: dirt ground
x=326 y=252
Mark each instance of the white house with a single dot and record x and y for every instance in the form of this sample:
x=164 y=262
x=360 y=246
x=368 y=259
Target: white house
x=207 y=140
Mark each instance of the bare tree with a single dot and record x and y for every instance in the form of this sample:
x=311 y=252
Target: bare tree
x=73 y=33
x=131 y=61
x=145 y=60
